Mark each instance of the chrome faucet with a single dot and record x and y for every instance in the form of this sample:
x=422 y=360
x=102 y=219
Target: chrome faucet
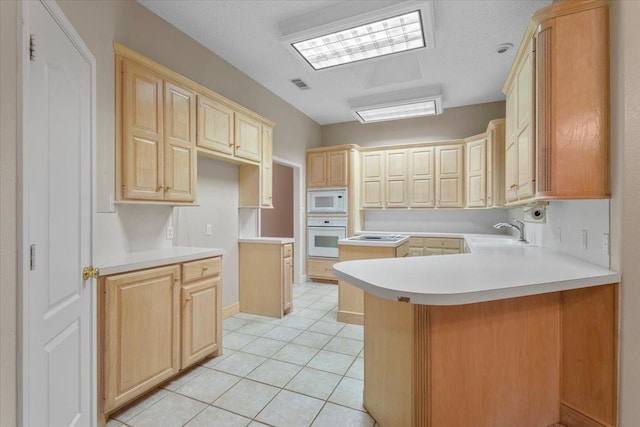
x=519 y=225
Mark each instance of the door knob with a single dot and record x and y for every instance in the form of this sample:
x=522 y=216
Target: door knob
x=89 y=272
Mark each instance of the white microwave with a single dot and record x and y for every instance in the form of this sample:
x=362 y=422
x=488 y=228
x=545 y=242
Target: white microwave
x=327 y=201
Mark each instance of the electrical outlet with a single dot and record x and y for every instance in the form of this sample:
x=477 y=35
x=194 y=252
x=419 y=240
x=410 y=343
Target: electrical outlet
x=584 y=239
x=112 y=203
x=605 y=243
x=208 y=232
x=169 y=233
x=558 y=235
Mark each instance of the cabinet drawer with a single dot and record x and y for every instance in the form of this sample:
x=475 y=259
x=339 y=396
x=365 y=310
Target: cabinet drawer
x=320 y=268
x=416 y=242
x=442 y=243
x=199 y=269
x=287 y=250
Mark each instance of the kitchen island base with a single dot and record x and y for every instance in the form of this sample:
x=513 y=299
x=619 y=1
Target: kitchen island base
x=528 y=361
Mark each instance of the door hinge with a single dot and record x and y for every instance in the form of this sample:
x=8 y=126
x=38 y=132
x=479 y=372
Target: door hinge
x=32 y=257
x=32 y=47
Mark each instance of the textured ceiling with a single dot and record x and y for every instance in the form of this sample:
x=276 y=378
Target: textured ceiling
x=464 y=63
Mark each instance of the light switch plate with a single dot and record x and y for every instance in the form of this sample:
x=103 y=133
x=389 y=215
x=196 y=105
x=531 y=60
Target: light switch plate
x=208 y=230
x=584 y=239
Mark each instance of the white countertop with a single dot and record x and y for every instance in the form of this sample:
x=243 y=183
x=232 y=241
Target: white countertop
x=156 y=257
x=487 y=273
x=266 y=240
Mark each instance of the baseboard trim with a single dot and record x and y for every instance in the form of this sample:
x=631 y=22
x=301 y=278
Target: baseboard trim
x=351 y=317
x=571 y=417
x=230 y=310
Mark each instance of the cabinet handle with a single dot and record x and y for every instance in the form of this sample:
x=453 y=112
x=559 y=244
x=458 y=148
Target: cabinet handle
x=168 y=187
x=205 y=268
x=513 y=185
x=187 y=299
x=160 y=187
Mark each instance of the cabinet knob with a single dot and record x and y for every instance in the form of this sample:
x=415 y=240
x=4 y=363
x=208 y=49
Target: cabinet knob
x=187 y=299
x=205 y=268
x=168 y=187
x=160 y=187
x=513 y=185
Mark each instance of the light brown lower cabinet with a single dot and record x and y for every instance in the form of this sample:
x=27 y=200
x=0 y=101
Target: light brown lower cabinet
x=152 y=324
x=426 y=246
x=351 y=298
x=321 y=269
x=266 y=278
x=530 y=362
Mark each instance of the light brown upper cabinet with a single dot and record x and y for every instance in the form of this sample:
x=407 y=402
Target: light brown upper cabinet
x=384 y=179
x=372 y=186
x=266 y=168
x=421 y=177
x=164 y=121
x=248 y=138
x=396 y=169
x=327 y=168
x=477 y=171
x=450 y=176
x=158 y=137
x=557 y=144
x=215 y=126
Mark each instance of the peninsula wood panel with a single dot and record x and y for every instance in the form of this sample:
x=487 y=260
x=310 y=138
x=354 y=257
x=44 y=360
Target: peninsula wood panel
x=143 y=133
x=501 y=358
x=141 y=339
x=589 y=356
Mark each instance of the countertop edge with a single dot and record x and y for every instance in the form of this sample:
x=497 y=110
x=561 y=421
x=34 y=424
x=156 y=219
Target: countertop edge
x=267 y=240
x=156 y=258
x=480 y=295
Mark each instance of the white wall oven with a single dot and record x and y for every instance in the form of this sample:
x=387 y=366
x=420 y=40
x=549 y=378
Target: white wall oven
x=327 y=201
x=323 y=235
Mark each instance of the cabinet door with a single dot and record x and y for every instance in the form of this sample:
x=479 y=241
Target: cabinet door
x=248 y=138
x=421 y=177
x=337 y=168
x=180 y=143
x=201 y=320
x=525 y=128
x=372 y=177
x=432 y=251
x=449 y=176
x=141 y=332
x=511 y=150
x=287 y=283
x=396 y=168
x=477 y=173
x=142 y=121
x=266 y=168
x=215 y=126
x=316 y=169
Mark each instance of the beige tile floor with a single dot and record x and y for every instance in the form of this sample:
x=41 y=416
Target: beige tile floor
x=303 y=370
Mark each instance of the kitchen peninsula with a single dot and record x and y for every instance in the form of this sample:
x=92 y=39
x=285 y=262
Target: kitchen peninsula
x=504 y=335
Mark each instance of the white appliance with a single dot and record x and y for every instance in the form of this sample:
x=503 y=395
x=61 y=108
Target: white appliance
x=327 y=201
x=323 y=235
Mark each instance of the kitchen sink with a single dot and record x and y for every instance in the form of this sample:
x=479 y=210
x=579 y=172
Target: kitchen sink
x=378 y=237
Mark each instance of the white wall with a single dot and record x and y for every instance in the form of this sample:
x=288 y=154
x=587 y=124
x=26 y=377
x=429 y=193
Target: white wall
x=436 y=221
x=563 y=228
x=218 y=200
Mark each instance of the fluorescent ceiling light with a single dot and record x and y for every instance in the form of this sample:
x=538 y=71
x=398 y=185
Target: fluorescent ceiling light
x=369 y=35
x=404 y=110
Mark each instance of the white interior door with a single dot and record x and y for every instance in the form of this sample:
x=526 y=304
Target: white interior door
x=57 y=325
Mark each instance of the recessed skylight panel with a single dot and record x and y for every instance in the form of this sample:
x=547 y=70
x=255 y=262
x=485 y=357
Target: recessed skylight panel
x=391 y=35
